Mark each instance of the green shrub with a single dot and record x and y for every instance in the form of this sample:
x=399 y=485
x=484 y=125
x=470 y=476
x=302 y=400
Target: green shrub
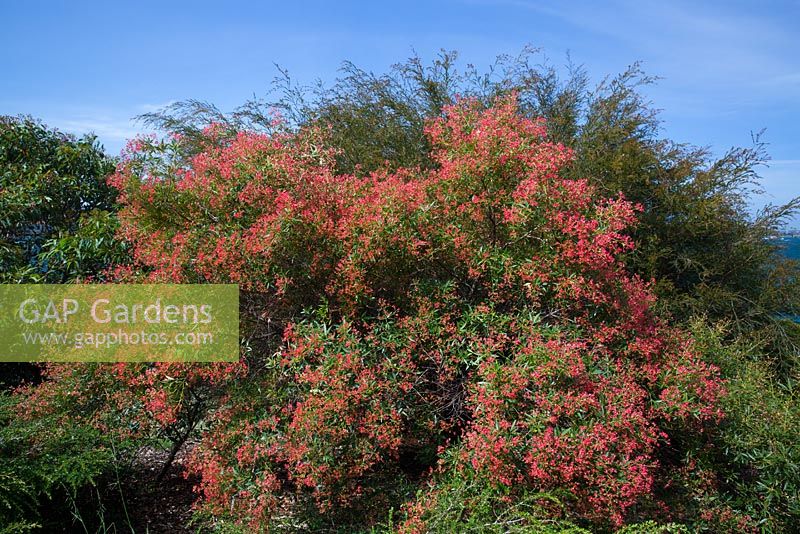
x=48 y=464
x=757 y=452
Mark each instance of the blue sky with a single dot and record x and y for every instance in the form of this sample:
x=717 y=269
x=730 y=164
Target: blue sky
x=728 y=67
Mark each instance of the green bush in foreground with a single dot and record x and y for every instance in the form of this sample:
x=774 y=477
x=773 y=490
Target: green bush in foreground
x=52 y=470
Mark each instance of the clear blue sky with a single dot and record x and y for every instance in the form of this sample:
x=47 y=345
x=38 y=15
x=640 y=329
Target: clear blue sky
x=728 y=67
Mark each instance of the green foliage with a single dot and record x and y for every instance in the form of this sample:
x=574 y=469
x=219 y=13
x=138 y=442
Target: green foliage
x=757 y=456
x=696 y=237
x=464 y=504
x=51 y=186
x=85 y=250
x=651 y=527
x=46 y=462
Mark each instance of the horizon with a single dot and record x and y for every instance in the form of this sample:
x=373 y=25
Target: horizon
x=726 y=69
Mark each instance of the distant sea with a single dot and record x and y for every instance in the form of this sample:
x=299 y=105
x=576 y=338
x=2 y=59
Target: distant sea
x=791 y=246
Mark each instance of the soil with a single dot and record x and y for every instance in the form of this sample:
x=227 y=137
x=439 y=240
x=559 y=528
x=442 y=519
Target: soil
x=154 y=506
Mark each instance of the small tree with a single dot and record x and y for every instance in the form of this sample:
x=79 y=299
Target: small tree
x=474 y=320
x=57 y=220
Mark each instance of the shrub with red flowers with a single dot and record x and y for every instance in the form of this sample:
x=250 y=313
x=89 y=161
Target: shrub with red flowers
x=410 y=326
